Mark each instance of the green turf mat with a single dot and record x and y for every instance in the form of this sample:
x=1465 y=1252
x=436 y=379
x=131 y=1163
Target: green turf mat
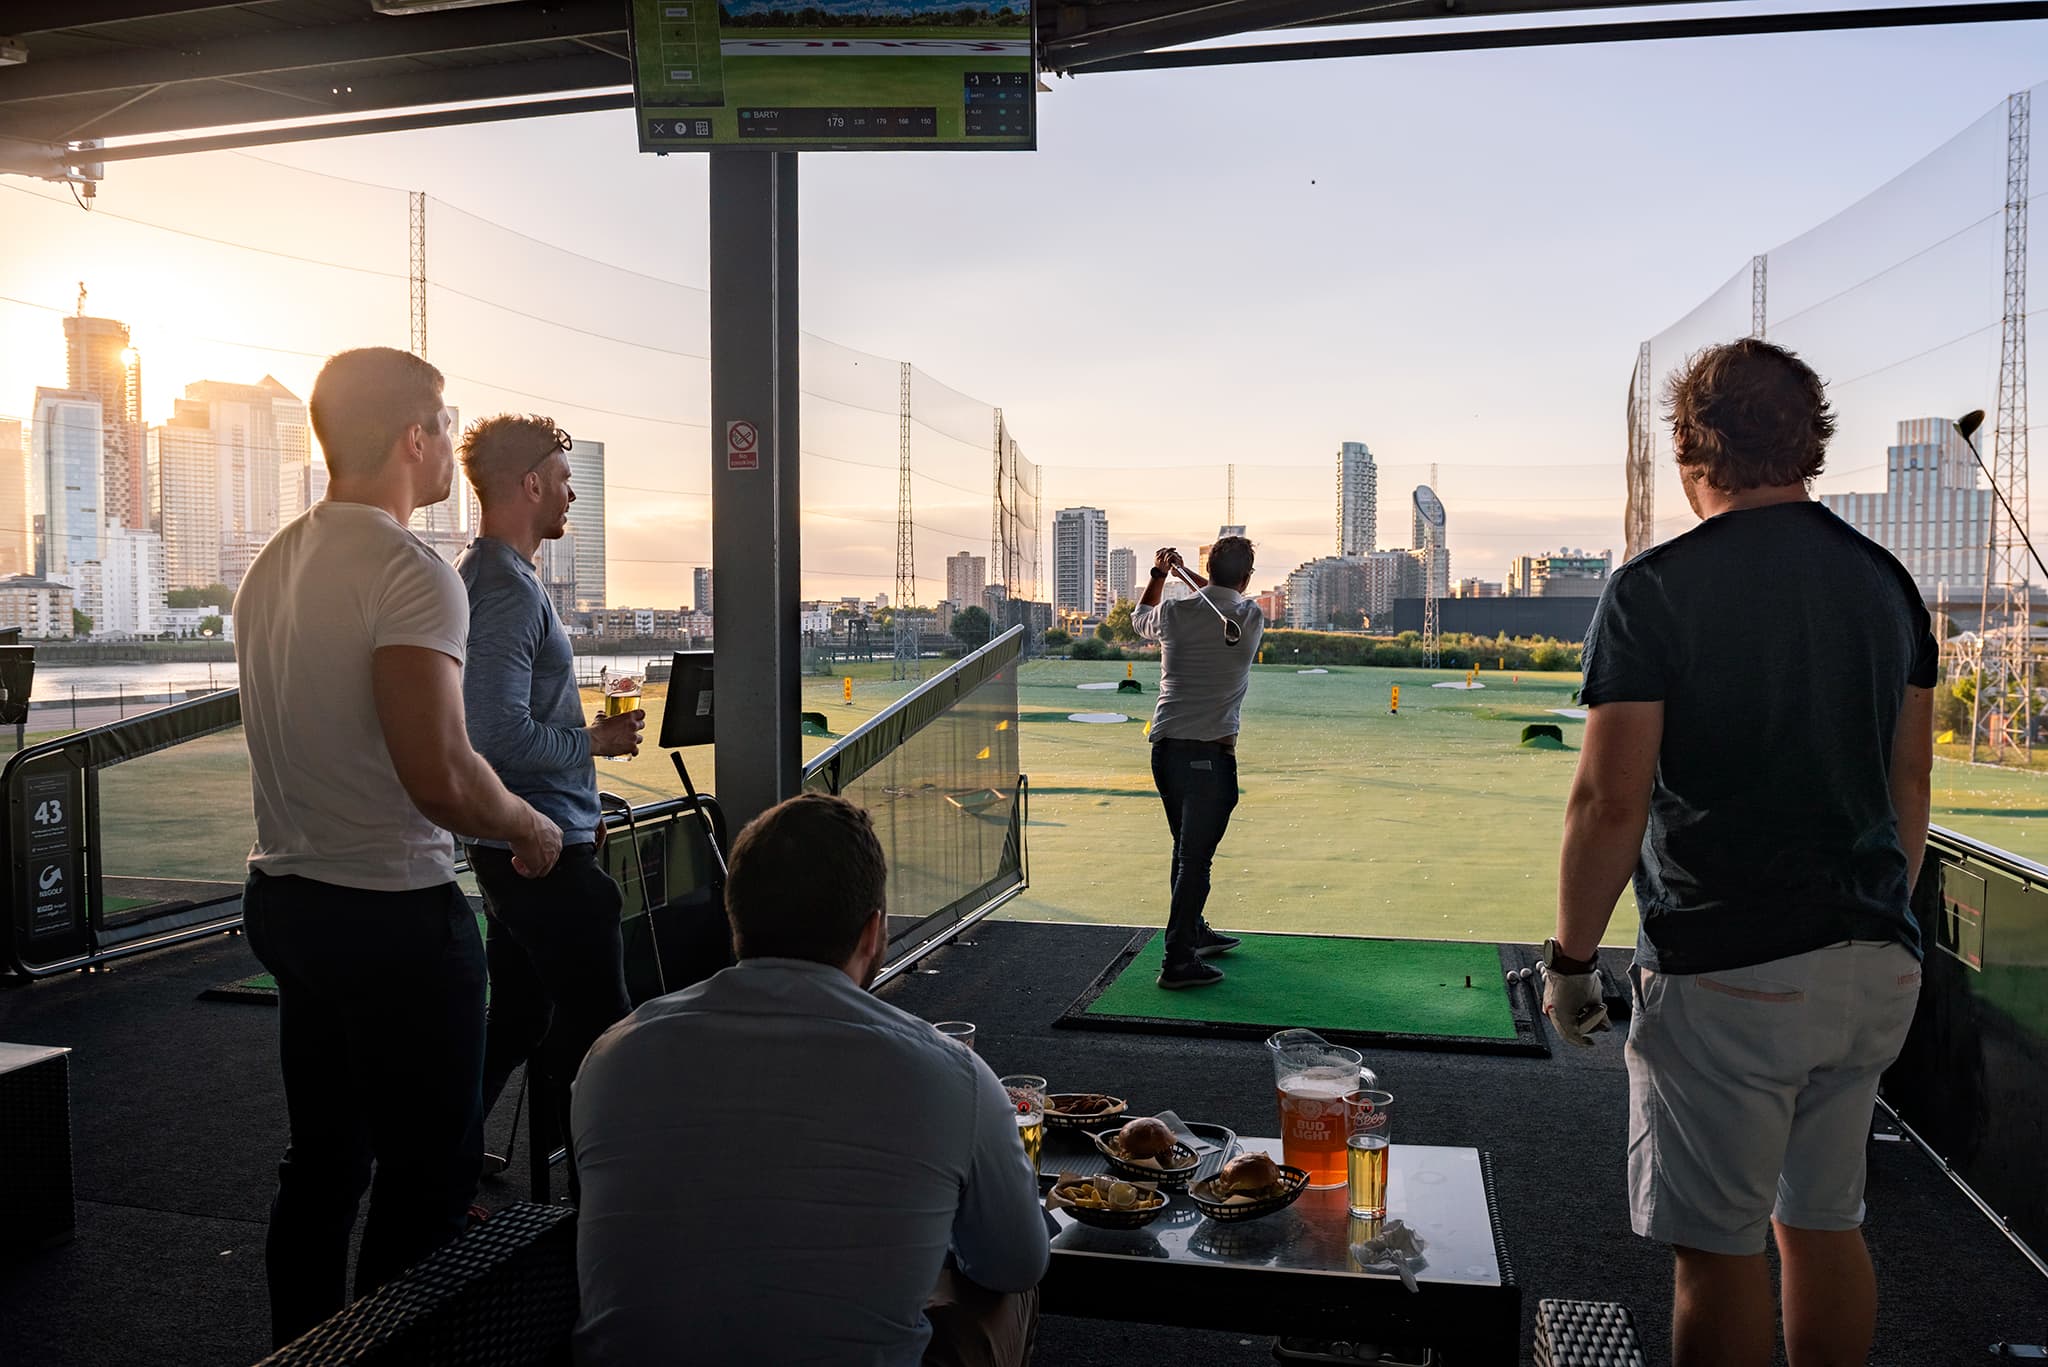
x=1405 y=993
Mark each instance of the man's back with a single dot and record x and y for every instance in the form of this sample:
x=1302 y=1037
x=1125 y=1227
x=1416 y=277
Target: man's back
x=773 y=1165
x=1202 y=677
x=1781 y=642
x=339 y=582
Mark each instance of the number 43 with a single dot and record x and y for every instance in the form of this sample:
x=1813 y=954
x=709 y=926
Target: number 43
x=50 y=813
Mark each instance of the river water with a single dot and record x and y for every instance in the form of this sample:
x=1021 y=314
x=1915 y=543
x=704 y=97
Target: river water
x=54 y=682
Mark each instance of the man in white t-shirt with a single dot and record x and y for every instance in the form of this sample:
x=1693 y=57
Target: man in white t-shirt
x=350 y=635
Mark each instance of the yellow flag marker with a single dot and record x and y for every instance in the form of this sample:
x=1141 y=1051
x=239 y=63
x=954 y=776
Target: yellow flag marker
x=1394 y=707
x=848 y=681
x=1127 y=671
x=1148 y=729
x=984 y=753
x=1003 y=725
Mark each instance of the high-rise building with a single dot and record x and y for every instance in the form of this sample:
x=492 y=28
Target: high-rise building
x=556 y=565
x=1358 y=500
x=1932 y=515
x=184 y=495
x=1080 y=561
x=66 y=469
x=1559 y=574
x=700 y=590
x=1440 y=582
x=259 y=439
x=586 y=522
x=1349 y=592
x=966 y=579
x=17 y=550
x=101 y=361
x=124 y=592
x=1123 y=575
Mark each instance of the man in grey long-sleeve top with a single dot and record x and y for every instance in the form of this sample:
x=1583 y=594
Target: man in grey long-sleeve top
x=780 y=1168
x=553 y=944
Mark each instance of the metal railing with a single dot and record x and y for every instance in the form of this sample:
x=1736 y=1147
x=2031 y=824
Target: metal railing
x=939 y=773
x=1968 y=1087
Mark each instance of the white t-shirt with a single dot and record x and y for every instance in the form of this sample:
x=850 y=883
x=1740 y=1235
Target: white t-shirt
x=342 y=580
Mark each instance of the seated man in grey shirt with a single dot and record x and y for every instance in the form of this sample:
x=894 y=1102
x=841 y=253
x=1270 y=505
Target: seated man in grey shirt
x=780 y=1168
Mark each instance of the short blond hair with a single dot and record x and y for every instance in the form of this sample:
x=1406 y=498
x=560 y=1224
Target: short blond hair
x=498 y=451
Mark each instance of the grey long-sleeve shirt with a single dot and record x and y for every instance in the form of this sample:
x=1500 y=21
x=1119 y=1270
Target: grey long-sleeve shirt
x=774 y=1164
x=519 y=691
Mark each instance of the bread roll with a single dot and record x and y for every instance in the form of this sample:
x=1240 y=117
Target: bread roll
x=1145 y=1138
x=1248 y=1173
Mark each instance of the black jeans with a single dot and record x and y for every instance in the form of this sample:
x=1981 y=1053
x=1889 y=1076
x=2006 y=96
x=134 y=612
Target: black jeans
x=1197 y=780
x=381 y=1038
x=558 y=977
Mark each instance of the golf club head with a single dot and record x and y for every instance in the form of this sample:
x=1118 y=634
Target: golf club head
x=1232 y=632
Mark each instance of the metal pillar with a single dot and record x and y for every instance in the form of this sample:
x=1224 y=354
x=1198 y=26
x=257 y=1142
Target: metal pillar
x=999 y=524
x=416 y=203
x=2005 y=686
x=1759 y=271
x=754 y=479
x=1639 y=522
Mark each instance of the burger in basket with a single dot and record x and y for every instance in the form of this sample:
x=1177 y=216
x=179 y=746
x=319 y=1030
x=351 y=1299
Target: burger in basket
x=1148 y=1143
x=1248 y=1177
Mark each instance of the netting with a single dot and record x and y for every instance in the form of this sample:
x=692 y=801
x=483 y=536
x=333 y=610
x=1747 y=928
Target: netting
x=1897 y=302
x=246 y=267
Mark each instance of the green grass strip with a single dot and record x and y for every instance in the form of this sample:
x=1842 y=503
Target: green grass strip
x=1401 y=987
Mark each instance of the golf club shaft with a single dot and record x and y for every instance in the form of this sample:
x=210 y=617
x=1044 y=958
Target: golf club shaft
x=1181 y=573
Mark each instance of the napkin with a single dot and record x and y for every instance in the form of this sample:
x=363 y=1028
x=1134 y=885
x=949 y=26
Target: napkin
x=1397 y=1248
x=1202 y=1147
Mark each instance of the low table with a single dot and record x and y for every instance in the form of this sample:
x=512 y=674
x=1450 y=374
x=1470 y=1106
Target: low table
x=1291 y=1274
x=36 y=1207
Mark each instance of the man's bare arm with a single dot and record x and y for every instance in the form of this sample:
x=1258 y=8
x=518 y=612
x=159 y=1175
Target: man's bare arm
x=1913 y=776
x=1604 y=819
x=419 y=707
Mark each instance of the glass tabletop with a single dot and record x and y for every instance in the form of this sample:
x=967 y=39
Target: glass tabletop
x=1440 y=1193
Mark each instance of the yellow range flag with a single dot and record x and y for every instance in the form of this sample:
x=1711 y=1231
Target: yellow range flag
x=848 y=682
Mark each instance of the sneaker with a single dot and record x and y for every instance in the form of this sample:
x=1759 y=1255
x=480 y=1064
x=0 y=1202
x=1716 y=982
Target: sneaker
x=1193 y=973
x=1210 y=943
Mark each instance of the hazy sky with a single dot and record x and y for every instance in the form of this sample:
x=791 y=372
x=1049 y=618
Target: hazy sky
x=1452 y=258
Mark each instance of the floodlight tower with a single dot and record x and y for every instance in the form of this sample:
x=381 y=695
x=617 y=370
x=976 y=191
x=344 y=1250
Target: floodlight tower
x=2006 y=672
x=1759 y=274
x=907 y=663
x=416 y=203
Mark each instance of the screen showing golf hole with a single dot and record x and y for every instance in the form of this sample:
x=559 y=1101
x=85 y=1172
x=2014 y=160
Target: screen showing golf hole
x=829 y=75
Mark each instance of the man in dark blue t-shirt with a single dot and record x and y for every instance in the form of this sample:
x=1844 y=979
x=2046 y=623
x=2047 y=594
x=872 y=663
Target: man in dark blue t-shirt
x=1757 y=754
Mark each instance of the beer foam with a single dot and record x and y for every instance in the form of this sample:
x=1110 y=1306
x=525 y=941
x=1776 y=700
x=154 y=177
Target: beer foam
x=1312 y=1086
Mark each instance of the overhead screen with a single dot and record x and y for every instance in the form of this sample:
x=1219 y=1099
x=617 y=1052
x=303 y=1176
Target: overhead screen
x=833 y=75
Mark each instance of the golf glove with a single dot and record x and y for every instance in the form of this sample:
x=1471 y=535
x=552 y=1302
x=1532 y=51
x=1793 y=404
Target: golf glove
x=1574 y=1005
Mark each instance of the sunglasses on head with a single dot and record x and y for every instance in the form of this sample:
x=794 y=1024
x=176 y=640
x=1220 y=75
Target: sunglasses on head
x=561 y=441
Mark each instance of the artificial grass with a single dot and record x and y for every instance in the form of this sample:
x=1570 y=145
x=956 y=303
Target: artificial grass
x=1425 y=992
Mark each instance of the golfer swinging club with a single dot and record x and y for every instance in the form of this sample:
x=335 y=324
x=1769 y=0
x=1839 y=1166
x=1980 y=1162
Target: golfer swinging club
x=1208 y=642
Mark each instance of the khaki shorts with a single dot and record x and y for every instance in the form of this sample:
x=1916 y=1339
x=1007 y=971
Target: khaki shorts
x=1751 y=1091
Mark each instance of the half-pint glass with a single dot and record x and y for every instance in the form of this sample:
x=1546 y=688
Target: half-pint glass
x=1369 y=1139
x=1311 y=1078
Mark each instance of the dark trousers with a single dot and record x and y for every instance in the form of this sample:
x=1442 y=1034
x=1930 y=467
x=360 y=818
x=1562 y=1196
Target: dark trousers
x=380 y=1033
x=558 y=977
x=1197 y=780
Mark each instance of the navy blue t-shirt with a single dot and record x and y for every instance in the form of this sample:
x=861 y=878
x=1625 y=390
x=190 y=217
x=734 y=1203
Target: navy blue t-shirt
x=1781 y=642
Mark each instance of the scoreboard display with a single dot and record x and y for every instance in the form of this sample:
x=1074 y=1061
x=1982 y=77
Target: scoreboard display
x=834 y=75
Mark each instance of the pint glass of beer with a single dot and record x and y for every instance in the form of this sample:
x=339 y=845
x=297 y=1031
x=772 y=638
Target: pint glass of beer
x=1311 y=1078
x=1369 y=1138
x=621 y=695
x=1027 y=1098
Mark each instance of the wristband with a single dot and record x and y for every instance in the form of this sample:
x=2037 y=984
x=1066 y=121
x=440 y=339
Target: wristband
x=1158 y=573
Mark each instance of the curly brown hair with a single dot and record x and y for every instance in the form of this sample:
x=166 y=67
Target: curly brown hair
x=1748 y=415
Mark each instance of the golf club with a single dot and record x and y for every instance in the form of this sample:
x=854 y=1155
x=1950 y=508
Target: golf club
x=1966 y=427
x=1232 y=632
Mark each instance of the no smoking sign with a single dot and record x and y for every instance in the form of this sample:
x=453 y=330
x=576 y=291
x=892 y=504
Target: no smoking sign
x=742 y=445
